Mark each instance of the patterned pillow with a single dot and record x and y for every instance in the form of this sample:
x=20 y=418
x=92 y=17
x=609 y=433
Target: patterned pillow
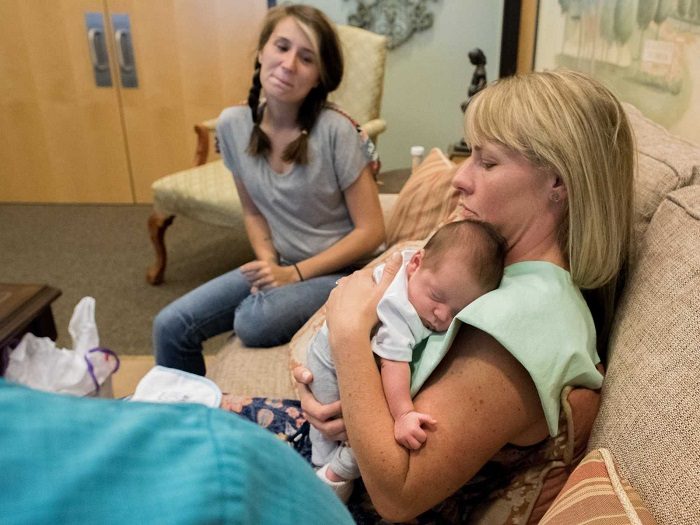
x=596 y=493
x=426 y=200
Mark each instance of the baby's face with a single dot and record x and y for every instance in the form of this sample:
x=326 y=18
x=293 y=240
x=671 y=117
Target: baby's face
x=439 y=293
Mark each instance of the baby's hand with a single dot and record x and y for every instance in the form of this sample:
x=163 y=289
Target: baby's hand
x=408 y=429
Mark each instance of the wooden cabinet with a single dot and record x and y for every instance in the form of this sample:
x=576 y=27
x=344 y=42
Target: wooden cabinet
x=64 y=139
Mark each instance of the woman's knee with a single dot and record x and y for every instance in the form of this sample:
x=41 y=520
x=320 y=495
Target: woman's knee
x=257 y=325
x=254 y=331
x=164 y=322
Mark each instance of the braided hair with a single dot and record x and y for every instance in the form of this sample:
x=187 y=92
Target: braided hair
x=330 y=75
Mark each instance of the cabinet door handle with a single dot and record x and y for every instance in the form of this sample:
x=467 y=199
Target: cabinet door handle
x=125 y=53
x=97 y=46
x=125 y=50
x=98 y=57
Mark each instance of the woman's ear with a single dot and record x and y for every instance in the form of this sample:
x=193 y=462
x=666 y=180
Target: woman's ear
x=558 y=192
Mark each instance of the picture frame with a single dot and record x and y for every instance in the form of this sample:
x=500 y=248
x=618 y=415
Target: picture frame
x=647 y=53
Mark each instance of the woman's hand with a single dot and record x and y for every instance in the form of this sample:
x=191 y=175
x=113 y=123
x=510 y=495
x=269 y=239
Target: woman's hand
x=324 y=418
x=263 y=275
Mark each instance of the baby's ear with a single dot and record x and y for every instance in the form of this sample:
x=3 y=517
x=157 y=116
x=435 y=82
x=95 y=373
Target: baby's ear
x=414 y=263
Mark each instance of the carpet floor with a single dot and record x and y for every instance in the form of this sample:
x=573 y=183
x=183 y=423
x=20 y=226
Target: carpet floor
x=103 y=251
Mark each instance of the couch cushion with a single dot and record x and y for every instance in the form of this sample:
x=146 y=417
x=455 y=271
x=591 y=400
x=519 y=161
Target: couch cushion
x=596 y=493
x=255 y=372
x=425 y=201
x=650 y=413
x=665 y=163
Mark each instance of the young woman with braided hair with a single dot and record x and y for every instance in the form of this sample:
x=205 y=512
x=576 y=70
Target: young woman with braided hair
x=305 y=177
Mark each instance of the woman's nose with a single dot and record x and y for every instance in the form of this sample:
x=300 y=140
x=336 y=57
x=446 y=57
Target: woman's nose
x=289 y=61
x=462 y=179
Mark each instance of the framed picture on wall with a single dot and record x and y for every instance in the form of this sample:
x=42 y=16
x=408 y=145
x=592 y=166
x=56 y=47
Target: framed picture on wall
x=646 y=52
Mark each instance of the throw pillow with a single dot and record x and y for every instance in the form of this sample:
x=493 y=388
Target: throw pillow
x=596 y=493
x=426 y=200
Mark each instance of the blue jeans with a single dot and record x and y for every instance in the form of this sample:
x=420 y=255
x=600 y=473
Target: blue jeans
x=267 y=318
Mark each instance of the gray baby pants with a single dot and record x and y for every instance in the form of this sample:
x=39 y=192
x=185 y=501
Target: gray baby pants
x=325 y=389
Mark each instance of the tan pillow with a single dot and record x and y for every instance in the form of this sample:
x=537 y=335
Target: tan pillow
x=426 y=200
x=596 y=493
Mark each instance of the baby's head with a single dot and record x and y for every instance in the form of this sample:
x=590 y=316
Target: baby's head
x=460 y=262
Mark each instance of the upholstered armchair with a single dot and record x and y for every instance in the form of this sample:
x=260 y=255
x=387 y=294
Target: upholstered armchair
x=207 y=192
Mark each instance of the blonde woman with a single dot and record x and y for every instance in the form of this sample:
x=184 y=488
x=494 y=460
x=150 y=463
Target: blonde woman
x=552 y=170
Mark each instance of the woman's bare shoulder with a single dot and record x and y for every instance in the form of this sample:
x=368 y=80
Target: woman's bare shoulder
x=486 y=385
x=482 y=399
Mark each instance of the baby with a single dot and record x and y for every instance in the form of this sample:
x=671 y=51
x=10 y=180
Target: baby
x=460 y=262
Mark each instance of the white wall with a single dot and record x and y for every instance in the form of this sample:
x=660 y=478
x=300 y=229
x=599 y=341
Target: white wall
x=427 y=76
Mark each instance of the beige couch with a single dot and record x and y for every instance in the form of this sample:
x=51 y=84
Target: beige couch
x=649 y=418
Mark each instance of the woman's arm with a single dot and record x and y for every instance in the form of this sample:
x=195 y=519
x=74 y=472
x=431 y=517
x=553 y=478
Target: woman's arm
x=481 y=395
x=362 y=200
x=256 y=226
x=264 y=272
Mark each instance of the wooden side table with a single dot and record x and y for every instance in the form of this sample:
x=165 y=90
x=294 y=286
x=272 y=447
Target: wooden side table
x=25 y=308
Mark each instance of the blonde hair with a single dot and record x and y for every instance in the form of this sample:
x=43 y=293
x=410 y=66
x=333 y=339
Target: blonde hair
x=569 y=123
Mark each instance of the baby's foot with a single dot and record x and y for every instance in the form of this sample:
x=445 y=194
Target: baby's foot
x=341 y=487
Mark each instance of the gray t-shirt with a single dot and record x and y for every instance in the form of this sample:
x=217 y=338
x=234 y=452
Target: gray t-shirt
x=305 y=207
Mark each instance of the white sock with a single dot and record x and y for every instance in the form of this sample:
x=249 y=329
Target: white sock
x=342 y=489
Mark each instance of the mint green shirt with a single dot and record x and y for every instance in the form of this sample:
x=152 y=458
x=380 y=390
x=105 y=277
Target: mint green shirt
x=541 y=318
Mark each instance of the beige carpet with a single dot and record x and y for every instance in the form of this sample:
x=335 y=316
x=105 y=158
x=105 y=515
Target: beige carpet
x=103 y=251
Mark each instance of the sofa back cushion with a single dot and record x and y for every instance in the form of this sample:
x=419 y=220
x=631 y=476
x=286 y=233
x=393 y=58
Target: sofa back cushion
x=650 y=411
x=664 y=163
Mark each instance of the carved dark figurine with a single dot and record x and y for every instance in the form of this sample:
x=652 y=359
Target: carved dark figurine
x=478 y=59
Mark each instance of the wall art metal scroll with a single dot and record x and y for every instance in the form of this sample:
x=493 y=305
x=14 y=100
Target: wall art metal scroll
x=397 y=19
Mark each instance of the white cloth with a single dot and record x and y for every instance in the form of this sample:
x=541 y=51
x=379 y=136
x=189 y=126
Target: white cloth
x=401 y=328
x=38 y=363
x=168 y=385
